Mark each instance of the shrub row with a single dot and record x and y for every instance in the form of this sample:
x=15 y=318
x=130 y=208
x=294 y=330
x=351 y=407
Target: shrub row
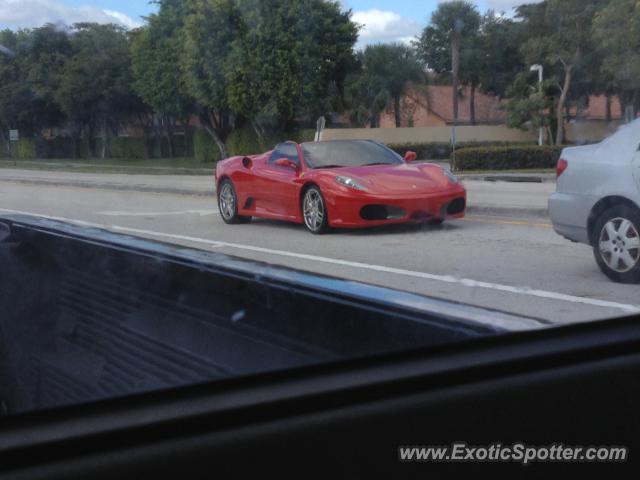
x=244 y=141
x=198 y=144
x=506 y=158
x=443 y=150
x=118 y=147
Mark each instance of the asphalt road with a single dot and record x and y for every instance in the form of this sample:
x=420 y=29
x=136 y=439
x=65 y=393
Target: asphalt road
x=514 y=264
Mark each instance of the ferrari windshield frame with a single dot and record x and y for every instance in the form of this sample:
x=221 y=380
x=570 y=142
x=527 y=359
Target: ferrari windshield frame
x=348 y=153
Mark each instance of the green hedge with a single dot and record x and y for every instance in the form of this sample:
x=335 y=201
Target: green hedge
x=506 y=158
x=127 y=147
x=24 y=148
x=244 y=141
x=204 y=148
x=443 y=150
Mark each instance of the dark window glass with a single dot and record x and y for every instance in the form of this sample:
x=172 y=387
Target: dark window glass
x=285 y=150
x=351 y=153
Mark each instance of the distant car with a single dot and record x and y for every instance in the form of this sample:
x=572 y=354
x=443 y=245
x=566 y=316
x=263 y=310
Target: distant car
x=342 y=183
x=597 y=201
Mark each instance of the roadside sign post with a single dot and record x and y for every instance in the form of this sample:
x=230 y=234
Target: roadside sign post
x=14 y=136
x=320 y=124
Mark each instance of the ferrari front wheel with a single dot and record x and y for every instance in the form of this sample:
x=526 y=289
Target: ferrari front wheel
x=314 y=211
x=228 y=203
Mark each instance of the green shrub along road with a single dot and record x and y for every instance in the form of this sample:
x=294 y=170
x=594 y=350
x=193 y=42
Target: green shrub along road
x=506 y=158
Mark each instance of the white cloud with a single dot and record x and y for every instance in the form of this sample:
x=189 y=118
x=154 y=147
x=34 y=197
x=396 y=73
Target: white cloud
x=34 y=13
x=384 y=26
x=506 y=5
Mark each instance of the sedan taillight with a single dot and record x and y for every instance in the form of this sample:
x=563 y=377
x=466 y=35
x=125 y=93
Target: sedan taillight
x=561 y=167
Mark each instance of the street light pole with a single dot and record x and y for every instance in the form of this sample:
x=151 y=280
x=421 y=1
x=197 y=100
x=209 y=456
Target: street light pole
x=540 y=69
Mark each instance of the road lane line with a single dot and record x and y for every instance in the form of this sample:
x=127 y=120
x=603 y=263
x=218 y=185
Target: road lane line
x=506 y=222
x=201 y=212
x=466 y=282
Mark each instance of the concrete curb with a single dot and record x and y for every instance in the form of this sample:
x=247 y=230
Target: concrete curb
x=112 y=186
x=519 y=212
x=514 y=178
x=489 y=210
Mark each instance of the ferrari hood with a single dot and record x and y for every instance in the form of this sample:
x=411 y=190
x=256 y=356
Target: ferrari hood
x=397 y=179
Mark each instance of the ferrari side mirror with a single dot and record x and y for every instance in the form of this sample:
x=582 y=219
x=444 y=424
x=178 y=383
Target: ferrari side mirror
x=285 y=162
x=410 y=156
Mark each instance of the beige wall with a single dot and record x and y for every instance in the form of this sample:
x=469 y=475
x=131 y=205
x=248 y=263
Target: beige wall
x=589 y=132
x=478 y=133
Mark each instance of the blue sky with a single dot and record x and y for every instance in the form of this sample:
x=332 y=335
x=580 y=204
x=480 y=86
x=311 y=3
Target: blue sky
x=383 y=20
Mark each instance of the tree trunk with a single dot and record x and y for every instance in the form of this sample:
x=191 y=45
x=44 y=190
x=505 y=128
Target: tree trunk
x=634 y=104
x=103 y=150
x=396 y=109
x=143 y=121
x=455 y=71
x=216 y=138
x=212 y=127
x=561 y=104
x=257 y=128
x=608 y=108
x=92 y=144
x=472 y=104
x=5 y=142
x=168 y=134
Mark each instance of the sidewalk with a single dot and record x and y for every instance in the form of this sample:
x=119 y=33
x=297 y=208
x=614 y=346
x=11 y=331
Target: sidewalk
x=484 y=197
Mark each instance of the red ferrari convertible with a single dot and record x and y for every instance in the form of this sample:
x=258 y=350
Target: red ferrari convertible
x=342 y=183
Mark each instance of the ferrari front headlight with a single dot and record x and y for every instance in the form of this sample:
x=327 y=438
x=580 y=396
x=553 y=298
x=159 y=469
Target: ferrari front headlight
x=350 y=182
x=452 y=178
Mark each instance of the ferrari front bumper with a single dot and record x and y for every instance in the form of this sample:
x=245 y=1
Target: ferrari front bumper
x=364 y=210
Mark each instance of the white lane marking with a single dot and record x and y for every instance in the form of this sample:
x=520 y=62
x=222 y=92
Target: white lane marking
x=466 y=282
x=201 y=212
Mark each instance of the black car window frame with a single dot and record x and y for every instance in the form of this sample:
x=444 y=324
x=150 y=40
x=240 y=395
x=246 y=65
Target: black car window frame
x=280 y=152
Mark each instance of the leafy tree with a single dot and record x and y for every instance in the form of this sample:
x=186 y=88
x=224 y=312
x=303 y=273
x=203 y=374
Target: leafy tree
x=531 y=106
x=498 y=58
x=29 y=75
x=449 y=44
x=211 y=28
x=156 y=55
x=95 y=82
x=616 y=33
x=16 y=98
x=558 y=35
x=291 y=61
x=385 y=71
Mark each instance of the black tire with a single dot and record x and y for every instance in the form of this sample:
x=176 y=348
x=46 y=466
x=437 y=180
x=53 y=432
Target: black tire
x=315 y=225
x=228 y=203
x=618 y=257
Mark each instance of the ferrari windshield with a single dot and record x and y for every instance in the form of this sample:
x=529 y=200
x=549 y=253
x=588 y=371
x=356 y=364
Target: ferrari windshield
x=354 y=153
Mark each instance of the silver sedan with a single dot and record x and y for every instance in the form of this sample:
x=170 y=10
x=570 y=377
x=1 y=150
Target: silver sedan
x=597 y=201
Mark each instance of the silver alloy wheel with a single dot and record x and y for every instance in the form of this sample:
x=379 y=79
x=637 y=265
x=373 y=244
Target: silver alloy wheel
x=313 y=210
x=227 y=201
x=619 y=245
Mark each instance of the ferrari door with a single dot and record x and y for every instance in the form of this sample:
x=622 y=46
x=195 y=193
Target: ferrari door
x=279 y=189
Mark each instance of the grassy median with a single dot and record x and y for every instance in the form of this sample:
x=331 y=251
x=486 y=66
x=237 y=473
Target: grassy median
x=158 y=166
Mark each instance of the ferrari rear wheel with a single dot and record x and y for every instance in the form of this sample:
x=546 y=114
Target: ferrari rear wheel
x=228 y=204
x=314 y=211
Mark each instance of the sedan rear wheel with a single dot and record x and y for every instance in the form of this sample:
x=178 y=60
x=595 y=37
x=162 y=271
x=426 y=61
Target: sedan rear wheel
x=617 y=244
x=314 y=211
